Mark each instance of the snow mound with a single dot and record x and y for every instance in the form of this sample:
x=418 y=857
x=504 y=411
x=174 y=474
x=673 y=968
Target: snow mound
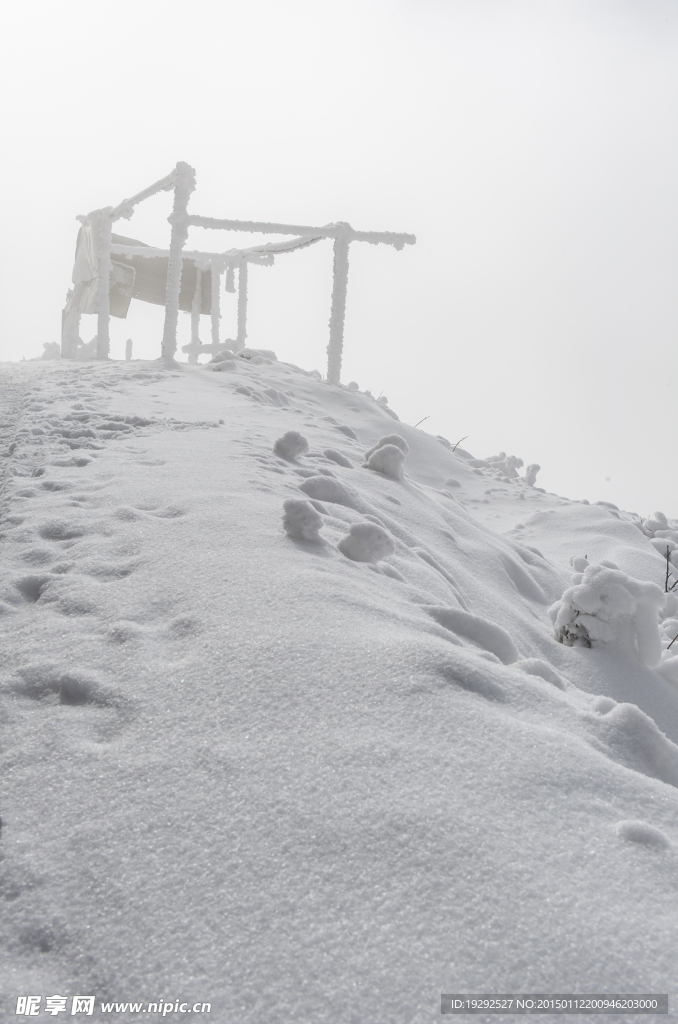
x=531 y=473
x=389 y=460
x=366 y=542
x=478 y=630
x=291 y=445
x=334 y=456
x=642 y=832
x=541 y=668
x=389 y=439
x=300 y=520
x=326 y=488
x=607 y=606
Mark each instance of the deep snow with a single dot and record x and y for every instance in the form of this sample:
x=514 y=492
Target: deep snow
x=286 y=726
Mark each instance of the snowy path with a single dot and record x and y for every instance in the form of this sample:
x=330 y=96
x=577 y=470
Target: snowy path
x=252 y=770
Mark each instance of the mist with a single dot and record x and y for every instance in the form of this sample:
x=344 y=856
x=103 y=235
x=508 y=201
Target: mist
x=531 y=148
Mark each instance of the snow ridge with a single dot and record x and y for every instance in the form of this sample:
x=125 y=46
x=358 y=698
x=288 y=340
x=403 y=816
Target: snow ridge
x=291 y=732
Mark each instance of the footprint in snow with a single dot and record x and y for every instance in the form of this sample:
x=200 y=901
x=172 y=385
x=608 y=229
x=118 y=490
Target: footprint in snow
x=52 y=684
x=62 y=529
x=643 y=833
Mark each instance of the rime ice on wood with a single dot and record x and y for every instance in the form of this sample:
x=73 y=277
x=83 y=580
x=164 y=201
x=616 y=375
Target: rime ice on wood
x=343 y=234
x=101 y=273
x=184 y=186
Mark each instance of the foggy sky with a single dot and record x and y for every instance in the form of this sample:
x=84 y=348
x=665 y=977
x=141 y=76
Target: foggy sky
x=531 y=146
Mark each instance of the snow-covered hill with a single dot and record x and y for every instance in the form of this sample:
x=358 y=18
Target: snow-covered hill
x=324 y=779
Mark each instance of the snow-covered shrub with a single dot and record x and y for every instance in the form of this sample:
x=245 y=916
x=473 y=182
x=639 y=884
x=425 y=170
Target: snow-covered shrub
x=607 y=606
x=388 y=460
x=654 y=523
x=506 y=464
x=510 y=466
x=258 y=355
x=366 y=542
x=531 y=471
x=290 y=445
x=300 y=520
x=52 y=350
x=395 y=439
x=579 y=563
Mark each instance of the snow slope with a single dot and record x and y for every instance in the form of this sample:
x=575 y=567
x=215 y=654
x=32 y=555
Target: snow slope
x=323 y=779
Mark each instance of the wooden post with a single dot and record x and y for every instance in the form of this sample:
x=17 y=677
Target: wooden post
x=103 y=301
x=216 y=306
x=183 y=187
x=242 y=304
x=196 y=307
x=338 y=312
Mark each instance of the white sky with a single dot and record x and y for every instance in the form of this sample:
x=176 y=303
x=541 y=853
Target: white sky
x=529 y=144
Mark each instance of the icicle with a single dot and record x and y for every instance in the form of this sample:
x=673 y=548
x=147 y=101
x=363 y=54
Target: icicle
x=230 y=279
x=183 y=187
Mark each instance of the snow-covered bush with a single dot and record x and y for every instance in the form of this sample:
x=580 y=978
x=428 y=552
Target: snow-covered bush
x=301 y=521
x=52 y=350
x=387 y=456
x=395 y=439
x=531 y=471
x=388 y=460
x=506 y=464
x=607 y=606
x=509 y=466
x=291 y=445
x=366 y=542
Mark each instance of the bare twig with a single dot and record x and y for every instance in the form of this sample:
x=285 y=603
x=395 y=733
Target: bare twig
x=421 y=421
x=672 y=642
x=667 y=588
x=459 y=442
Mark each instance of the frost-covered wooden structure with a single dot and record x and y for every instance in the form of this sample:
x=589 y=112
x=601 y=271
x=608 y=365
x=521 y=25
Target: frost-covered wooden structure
x=110 y=270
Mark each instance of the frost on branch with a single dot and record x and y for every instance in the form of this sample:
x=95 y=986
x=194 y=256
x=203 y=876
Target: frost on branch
x=607 y=606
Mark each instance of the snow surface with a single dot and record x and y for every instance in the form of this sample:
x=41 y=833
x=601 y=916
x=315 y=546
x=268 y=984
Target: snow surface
x=298 y=738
